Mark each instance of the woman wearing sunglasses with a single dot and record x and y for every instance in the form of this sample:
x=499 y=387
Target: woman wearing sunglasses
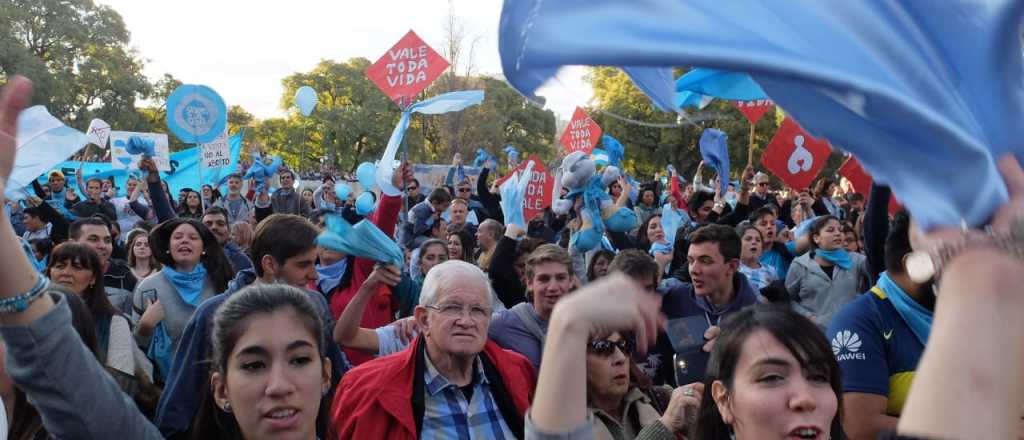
x=623 y=403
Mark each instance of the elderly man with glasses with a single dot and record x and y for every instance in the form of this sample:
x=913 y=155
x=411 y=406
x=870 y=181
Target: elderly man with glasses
x=452 y=382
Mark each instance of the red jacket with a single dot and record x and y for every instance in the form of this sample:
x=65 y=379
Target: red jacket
x=380 y=311
x=373 y=400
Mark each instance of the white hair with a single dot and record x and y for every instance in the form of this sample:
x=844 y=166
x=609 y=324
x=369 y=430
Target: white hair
x=452 y=273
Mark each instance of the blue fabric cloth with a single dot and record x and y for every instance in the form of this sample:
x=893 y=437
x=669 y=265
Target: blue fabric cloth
x=448 y=102
x=364 y=240
x=482 y=157
x=140 y=145
x=918 y=318
x=261 y=171
x=942 y=91
x=448 y=414
x=161 y=351
x=328 y=277
x=720 y=84
x=616 y=152
x=42 y=143
x=661 y=248
x=840 y=257
x=714 y=149
x=188 y=284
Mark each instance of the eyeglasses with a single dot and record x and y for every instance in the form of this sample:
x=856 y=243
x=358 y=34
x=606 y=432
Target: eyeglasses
x=476 y=312
x=605 y=348
x=412 y=188
x=463 y=190
x=762 y=183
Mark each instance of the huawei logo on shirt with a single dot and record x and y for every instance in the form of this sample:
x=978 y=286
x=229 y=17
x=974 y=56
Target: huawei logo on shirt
x=846 y=346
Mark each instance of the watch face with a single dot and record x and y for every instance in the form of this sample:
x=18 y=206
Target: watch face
x=920 y=266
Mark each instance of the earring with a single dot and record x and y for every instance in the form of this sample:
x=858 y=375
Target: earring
x=227 y=407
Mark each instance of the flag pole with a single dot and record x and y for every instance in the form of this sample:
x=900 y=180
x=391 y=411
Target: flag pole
x=750 y=149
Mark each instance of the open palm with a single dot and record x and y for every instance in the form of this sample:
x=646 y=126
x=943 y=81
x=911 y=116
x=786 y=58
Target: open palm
x=13 y=98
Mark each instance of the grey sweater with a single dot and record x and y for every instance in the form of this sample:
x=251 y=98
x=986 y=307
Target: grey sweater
x=816 y=295
x=73 y=393
x=177 y=312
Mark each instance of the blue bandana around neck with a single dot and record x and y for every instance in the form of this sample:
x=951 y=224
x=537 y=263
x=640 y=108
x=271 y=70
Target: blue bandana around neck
x=661 y=248
x=189 y=285
x=918 y=318
x=839 y=257
x=329 y=277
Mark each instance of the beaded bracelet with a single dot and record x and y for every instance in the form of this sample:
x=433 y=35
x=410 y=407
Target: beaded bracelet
x=20 y=303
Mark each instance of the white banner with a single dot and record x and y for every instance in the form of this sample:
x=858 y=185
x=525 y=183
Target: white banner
x=121 y=160
x=216 y=153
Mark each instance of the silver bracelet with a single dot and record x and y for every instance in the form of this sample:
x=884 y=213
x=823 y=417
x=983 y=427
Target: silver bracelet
x=922 y=266
x=18 y=304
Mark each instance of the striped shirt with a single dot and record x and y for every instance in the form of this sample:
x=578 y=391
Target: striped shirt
x=448 y=414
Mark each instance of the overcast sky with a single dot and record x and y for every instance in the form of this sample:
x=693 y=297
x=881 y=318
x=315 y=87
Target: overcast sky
x=244 y=48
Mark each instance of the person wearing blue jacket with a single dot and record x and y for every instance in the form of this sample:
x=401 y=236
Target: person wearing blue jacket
x=284 y=251
x=694 y=309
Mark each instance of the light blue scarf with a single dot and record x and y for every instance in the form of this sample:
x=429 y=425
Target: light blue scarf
x=839 y=257
x=328 y=277
x=918 y=318
x=189 y=285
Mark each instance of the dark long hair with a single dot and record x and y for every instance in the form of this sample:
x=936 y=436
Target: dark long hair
x=468 y=243
x=218 y=268
x=642 y=242
x=601 y=253
x=819 y=225
x=798 y=334
x=229 y=324
x=25 y=423
x=94 y=296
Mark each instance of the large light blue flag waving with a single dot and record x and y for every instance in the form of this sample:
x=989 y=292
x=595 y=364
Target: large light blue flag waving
x=448 y=102
x=943 y=90
x=720 y=84
x=714 y=149
x=43 y=142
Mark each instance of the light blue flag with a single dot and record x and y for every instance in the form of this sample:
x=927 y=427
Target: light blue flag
x=714 y=150
x=941 y=91
x=689 y=99
x=43 y=142
x=600 y=157
x=616 y=152
x=720 y=84
x=448 y=102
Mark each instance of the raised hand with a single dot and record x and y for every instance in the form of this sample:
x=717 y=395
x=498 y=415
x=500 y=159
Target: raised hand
x=14 y=97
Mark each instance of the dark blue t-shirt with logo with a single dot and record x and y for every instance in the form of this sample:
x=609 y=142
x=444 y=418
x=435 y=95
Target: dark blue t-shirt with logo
x=876 y=351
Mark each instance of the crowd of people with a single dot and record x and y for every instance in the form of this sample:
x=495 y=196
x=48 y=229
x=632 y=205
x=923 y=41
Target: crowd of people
x=786 y=313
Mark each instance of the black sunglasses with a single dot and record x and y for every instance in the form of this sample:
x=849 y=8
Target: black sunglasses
x=463 y=190
x=605 y=348
x=762 y=183
x=412 y=188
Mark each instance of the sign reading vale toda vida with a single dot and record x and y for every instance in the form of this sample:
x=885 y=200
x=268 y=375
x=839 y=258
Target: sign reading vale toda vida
x=406 y=69
x=581 y=134
x=538 y=191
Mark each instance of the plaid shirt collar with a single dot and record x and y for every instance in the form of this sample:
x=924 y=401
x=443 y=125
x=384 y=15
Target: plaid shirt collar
x=436 y=382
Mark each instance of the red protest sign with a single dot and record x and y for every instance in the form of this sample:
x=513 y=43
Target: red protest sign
x=855 y=173
x=795 y=156
x=538 y=192
x=581 y=134
x=861 y=180
x=406 y=69
x=753 y=110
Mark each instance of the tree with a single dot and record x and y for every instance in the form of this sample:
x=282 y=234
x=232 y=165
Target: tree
x=78 y=55
x=238 y=117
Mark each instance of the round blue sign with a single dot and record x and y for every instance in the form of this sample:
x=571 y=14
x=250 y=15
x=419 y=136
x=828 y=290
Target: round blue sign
x=196 y=114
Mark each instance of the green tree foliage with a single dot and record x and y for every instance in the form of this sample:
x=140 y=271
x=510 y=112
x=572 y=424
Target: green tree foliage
x=77 y=54
x=353 y=120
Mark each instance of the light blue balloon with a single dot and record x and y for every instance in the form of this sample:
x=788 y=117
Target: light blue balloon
x=306 y=99
x=365 y=203
x=342 y=190
x=367 y=174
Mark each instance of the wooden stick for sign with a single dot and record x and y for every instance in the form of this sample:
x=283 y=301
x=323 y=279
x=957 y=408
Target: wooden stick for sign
x=750 y=150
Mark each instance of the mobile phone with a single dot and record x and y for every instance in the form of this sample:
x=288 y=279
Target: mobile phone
x=149 y=296
x=687 y=336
